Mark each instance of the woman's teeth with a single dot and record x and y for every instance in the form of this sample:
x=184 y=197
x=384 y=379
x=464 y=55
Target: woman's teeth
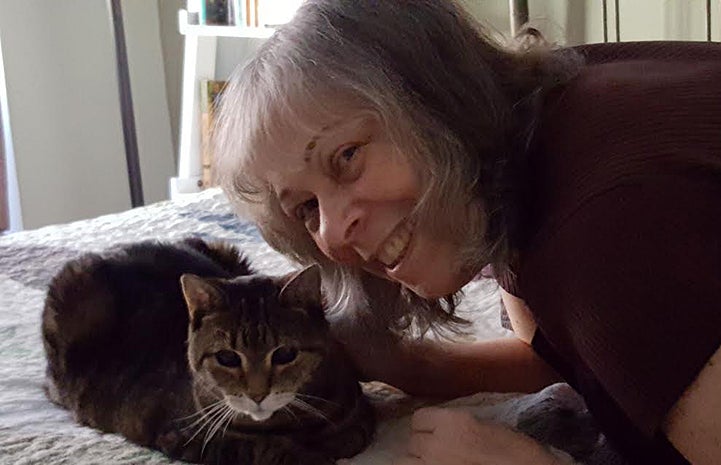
x=394 y=248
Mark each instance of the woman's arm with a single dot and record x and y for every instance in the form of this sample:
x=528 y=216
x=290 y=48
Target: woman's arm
x=694 y=424
x=444 y=369
x=522 y=321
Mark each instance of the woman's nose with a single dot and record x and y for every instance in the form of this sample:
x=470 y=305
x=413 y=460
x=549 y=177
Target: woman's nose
x=337 y=232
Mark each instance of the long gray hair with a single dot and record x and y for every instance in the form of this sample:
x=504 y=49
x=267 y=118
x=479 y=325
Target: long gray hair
x=458 y=103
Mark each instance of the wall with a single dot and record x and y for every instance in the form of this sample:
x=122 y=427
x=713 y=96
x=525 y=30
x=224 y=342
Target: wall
x=62 y=96
x=581 y=21
x=12 y=193
x=568 y=22
x=148 y=84
x=233 y=52
x=63 y=107
x=172 y=43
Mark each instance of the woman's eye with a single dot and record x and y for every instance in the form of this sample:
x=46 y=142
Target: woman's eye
x=347 y=154
x=345 y=162
x=283 y=355
x=304 y=211
x=228 y=358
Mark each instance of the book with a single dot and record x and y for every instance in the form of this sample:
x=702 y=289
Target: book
x=251 y=13
x=236 y=12
x=213 y=12
x=210 y=91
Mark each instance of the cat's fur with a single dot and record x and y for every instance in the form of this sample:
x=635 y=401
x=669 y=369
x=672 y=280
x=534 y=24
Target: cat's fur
x=128 y=354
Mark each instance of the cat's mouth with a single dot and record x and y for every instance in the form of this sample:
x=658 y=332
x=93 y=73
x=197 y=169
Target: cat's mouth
x=260 y=415
x=393 y=250
x=247 y=407
x=257 y=411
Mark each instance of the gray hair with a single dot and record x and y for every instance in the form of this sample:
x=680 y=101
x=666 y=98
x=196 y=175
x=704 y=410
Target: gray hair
x=458 y=103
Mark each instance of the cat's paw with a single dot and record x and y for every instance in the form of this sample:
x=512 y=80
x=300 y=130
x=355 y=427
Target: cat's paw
x=312 y=459
x=169 y=443
x=175 y=444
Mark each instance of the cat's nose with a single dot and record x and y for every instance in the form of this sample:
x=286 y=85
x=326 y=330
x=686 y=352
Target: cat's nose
x=257 y=398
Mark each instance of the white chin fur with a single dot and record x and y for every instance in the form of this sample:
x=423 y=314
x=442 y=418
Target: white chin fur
x=262 y=411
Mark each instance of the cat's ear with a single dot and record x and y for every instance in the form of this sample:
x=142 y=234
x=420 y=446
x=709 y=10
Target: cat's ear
x=302 y=289
x=200 y=294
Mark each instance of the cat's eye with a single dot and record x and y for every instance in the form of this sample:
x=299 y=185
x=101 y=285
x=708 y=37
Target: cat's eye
x=228 y=358
x=283 y=355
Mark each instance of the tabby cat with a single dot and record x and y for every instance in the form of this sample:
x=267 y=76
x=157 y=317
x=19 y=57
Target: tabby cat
x=181 y=348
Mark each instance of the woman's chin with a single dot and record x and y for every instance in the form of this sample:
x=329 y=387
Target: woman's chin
x=435 y=284
x=435 y=287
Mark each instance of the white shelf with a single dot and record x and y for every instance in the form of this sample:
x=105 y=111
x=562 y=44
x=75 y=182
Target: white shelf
x=199 y=63
x=205 y=30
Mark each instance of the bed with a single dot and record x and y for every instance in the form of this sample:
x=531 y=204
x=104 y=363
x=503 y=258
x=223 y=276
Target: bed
x=34 y=431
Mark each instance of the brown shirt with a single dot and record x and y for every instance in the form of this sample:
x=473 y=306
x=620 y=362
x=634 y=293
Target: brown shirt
x=621 y=260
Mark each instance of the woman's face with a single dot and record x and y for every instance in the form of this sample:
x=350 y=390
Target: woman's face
x=355 y=193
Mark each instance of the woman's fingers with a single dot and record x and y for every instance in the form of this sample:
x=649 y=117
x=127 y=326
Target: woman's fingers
x=429 y=419
x=420 y=444
x=409 y=461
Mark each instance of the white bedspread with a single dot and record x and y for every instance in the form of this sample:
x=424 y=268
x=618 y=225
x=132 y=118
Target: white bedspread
x=34 y=431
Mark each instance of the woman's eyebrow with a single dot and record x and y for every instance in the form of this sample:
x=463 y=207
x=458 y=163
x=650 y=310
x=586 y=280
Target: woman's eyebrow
x=308 y=152
x=312 y=145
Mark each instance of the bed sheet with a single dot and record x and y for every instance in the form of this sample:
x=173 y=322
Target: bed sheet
x=34 y=431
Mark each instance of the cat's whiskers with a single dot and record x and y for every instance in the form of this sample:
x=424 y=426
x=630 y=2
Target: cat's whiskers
x=218 y=422
x=206 y=414
x=229 y=421
x=202 y=411
x=306 y=407
x=209 y=419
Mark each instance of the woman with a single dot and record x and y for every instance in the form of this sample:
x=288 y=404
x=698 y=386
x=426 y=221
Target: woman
x=404 y=150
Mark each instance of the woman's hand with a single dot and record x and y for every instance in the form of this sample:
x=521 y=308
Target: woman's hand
x=454 y=437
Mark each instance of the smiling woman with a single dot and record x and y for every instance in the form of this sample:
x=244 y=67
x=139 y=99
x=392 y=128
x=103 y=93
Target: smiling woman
x=401 y=148
x=337 y=135
x=356 y=194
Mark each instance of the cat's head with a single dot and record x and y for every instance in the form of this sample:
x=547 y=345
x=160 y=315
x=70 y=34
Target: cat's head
x=255 y=341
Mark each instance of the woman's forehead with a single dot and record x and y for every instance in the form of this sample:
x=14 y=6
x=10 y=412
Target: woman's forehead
x=287 y=144
x=284 y=154
x=291 y=144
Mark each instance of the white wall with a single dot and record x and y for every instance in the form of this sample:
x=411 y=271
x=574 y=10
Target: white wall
x=12 y=193
x=574 y=22
x=148 y=86
x=63 y=107
x=172 y=43
x=59 y=60
x=567 y=22
x=233 y=52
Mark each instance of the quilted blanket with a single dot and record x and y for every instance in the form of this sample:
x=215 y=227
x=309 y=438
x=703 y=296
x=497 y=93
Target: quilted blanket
x=34 y=431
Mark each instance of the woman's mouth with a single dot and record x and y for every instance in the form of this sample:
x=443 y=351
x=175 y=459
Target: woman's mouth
x=394 y=248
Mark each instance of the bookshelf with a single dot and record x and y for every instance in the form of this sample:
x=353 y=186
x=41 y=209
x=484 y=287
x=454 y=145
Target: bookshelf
x=198 y=63
x=187 y=29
